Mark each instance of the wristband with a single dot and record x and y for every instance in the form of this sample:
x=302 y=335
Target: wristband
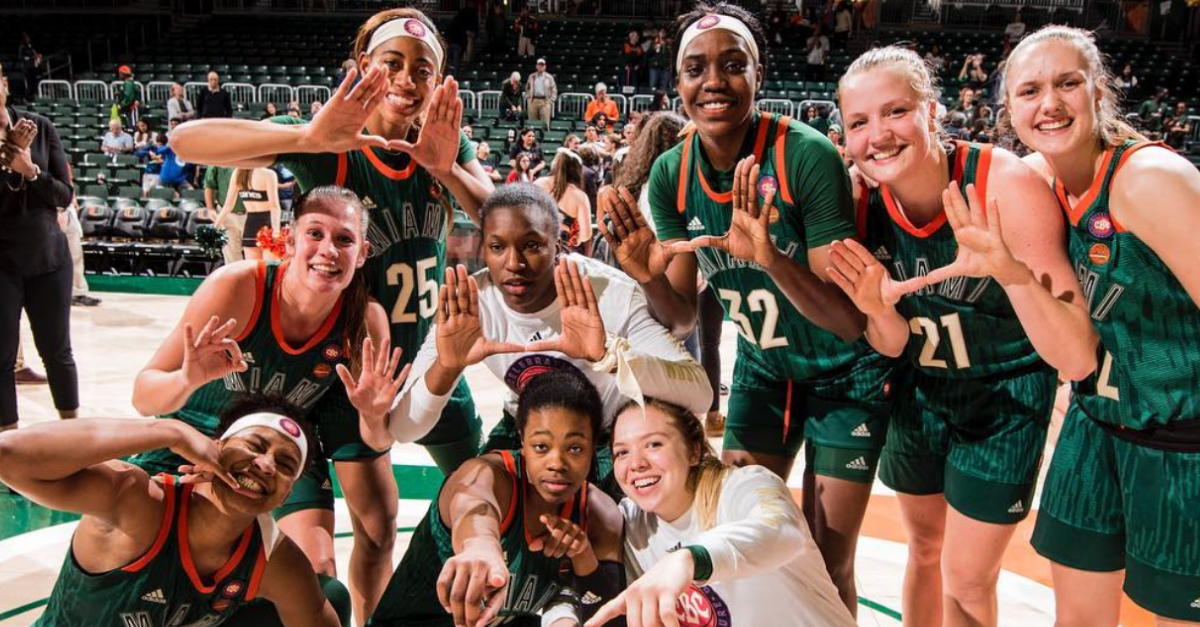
x=703 y=568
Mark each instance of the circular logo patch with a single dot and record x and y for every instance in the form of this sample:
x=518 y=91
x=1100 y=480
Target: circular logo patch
x=220 y=605
x=321 y=371
x=292 y=429
x=523 y=370
x=415 y=28
x=767 y=184
x=332 y=352
x=233 y=588
x=1099 y=254
x=702 y=607
x=1101 y=226
x=707 y=22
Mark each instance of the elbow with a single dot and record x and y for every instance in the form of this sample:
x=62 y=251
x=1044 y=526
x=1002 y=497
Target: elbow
x=8 y=445
x=1079 y=368
x=853 y=327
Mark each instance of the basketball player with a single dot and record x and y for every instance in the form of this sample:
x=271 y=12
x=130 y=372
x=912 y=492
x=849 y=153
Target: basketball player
x=507 y=525
x=802 y=376
x=973 y=395
x=168 y=550
x=1119 y=504
x=410 y=156
x=281 y=330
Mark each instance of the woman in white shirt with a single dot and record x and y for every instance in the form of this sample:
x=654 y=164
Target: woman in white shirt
x=709 y=544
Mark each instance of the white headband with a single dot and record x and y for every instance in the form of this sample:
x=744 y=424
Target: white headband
x=408 y=27
x=275 y=422
x=713 y=21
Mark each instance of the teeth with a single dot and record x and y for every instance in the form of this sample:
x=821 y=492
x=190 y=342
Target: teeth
x=646 y=482
x=715 y=106
x=249 y=484
x=879 y=156
x=1050 y=126
x=400 y=101
x=324 y=268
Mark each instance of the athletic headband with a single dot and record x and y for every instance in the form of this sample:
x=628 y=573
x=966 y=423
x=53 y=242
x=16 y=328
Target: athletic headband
x=714 y=21
x=408 y=27
x=275 y=422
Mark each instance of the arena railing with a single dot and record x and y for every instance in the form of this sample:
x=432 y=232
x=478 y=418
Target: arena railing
x=277 y=93
x=92 y=91
x=487 y=100
x=469 y=100
x=573 y=103
x=640 y=102
x=778 y=106
x=114 y=88
x=241 y=93
x=158 y=91
x=56 y=90
x=308 y=94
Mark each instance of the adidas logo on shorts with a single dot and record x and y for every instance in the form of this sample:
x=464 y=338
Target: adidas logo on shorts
x=155 y=597
x=882 y=254
x=861 y=431
x=1196 y=603
x=858 y=464
x=695 y=225
x=590 y=599
x=1017 y=508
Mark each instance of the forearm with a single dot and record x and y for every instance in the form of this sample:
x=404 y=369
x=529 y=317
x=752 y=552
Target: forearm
x=1060 y=332
x=54 y=451
x=888 y=333
x=469 y=191
x=232 y=143
x=823 y=304
x=156 y=392
x=414 y=415
x=670 y=307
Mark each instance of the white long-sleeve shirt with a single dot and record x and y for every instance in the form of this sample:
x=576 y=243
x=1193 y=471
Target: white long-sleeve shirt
x=766 y=568
x=661 y=365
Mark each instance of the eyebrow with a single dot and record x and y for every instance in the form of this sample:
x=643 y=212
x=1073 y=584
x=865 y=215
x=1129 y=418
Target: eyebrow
x=1056 y=78
x=728 y=51
x=642 y=437
x=420 y=59
x=570 y=434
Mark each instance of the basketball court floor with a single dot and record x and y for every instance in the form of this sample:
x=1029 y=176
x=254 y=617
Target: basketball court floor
x=113 y=341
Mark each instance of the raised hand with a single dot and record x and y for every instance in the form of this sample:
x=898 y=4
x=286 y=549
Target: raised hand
x=566 y=539
x=436 y=148
x=865 y=280
x=460 y=341
x=338 y=126
x=582 y=334
x=641 y=255
x=749 y=235
x=981 y=248
x=652 y=599
x=376 y=389
x=473 y=585
x=212 y=354
x=22 y=134
x=202 y=452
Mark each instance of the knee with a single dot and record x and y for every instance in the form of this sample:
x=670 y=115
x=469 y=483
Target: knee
x=969 y=586
x=376 y=534
x=323 y=565
x=738 y=459
x=925 y=549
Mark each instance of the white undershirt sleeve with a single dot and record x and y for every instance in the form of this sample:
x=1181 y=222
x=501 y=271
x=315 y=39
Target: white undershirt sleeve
x=416 y=409
x=662 y=366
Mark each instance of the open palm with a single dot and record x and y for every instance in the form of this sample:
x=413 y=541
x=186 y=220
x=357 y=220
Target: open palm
x=637 y=249
x=378 y=383
x=749 y=235
x=338 y=126
x=460 y=340
x=436 y=148
x=865 y=280
x=981 y=248
x=212 y=354
x=583 y=335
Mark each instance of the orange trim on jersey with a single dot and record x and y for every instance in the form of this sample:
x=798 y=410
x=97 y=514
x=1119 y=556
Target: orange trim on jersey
x=511 y=465
x=1076 y=211
x=938 y=221
x=583 y=507
x=722 y=197
x=277 y=326
x=260 y=566
x=185 y=551
x=1125 y=157
x=864 y=204
x=760 y=141
x=981 y=174
x=382 y=168
x=164 y=529
x=787 y=411
x=260 y=279
x=342 y=167
x=781 y=159
x=684 y=163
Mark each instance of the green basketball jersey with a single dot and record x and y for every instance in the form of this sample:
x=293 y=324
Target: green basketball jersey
x=410 y=221
x=813 y=207
x=1149 y=367
x=299 y=374
x=161 y=588
x=962 y=327
x=533 y=579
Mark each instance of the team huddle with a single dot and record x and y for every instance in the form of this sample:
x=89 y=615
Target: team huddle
x=909 y=318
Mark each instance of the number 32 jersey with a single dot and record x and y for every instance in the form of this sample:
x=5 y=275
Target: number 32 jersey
x=962 y=327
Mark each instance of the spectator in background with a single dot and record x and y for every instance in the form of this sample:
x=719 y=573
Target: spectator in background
x=522 y=172
x=270 y=112
x=344 y=70
x=935 y=60
x=526 y=27
x=116 y=141
x=981 y=111
x=1152 y=110
x=980 y=132
x=572 y=142
x=1126 y=81
x=68 y=221
x=1179 y=128
x=541 y=93
x=777 y=27
x=153 y=167
x=216 y=189
x=127 y=96
x=178 y=106
x=629 y=134
x=287 y=186
x=565 y=185
x=602 y=104
x=176 y=174
x=294 y=111
x=602 y=124
x=591 y=172
x=171 y=124
x=459 y=37
x=510 y=98
x=144 y=140
x=972 y=73
x=816 y=117
x=527 y=144
x=660 y=101
x=33 y=66
x=497 y=30
x=956 y=126
x=313 y=108
x=483 y=152
x=468 y=131
x=843 y=22
x=631 y=58
x=214 y=102
x=1014 y=32
x=660 y=62
x=835 y=138
x=966 y=100
x=818 y=55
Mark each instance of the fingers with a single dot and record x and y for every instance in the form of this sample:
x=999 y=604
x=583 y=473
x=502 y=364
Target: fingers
x=666 y=611
x=494 y=602
x=865 y=256
x=625 y=208
x=626 y=197
x=189 y=339
x=472 y=295
x=443 y=308
x=853 y=264
x=344 y=87
x=234 y=353
x=845 y=267
x=452 y=308
x=955 y=205
x=399 y=381
x=608 y=611
x=475 y=590
x=696 y=243
x=545 y=346
x=399 y=145
x=347 y=378
x=841 y=281
x=560 y=284
x=464 y=289
x=223 y=475
x=576 y=288
x=589 y=296
x=443 y=584
x=975 y=206
x=458 y=594
x=916 y=283
x=993 y=216
x=205 y=333
x=750 y=191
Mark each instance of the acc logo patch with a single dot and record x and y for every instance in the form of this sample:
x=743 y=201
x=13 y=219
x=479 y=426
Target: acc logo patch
x=1099 y=254
x=707 y=22
x=1100 y=225
x=702 y=607
x=332 y=352
x=321 y=371
x=415 y=28
x=293 y=430
x=234 y=588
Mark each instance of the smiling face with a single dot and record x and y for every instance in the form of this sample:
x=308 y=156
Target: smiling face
x=557 y=448
x=265 y=465
x=1052 y=99
x=653 y=462
x=520 y=258
x=889 y=127
x=327 y=245
x=717 y=82
x=412 y=75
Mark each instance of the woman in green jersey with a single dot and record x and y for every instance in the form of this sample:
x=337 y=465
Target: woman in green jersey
x=803 y=377
x=168 y=550
x=1120 y=502
x=510 y=529
x=289 y=330
x=975 y=390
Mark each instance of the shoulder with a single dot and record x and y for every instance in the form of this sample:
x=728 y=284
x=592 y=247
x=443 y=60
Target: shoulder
x=604 y=517
x=40 y=120
x=745 y=479
x=1009 y=173
x=235 y=280
x=1036 y=161
x=667 y=165
x=806 y=144
x=1154 y=172
x=604 y=278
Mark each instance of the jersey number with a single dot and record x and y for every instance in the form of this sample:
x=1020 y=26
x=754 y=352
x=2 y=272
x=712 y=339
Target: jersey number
x=760 y=300
x=402 y=274
x=1104 y=385
x=933 y=337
